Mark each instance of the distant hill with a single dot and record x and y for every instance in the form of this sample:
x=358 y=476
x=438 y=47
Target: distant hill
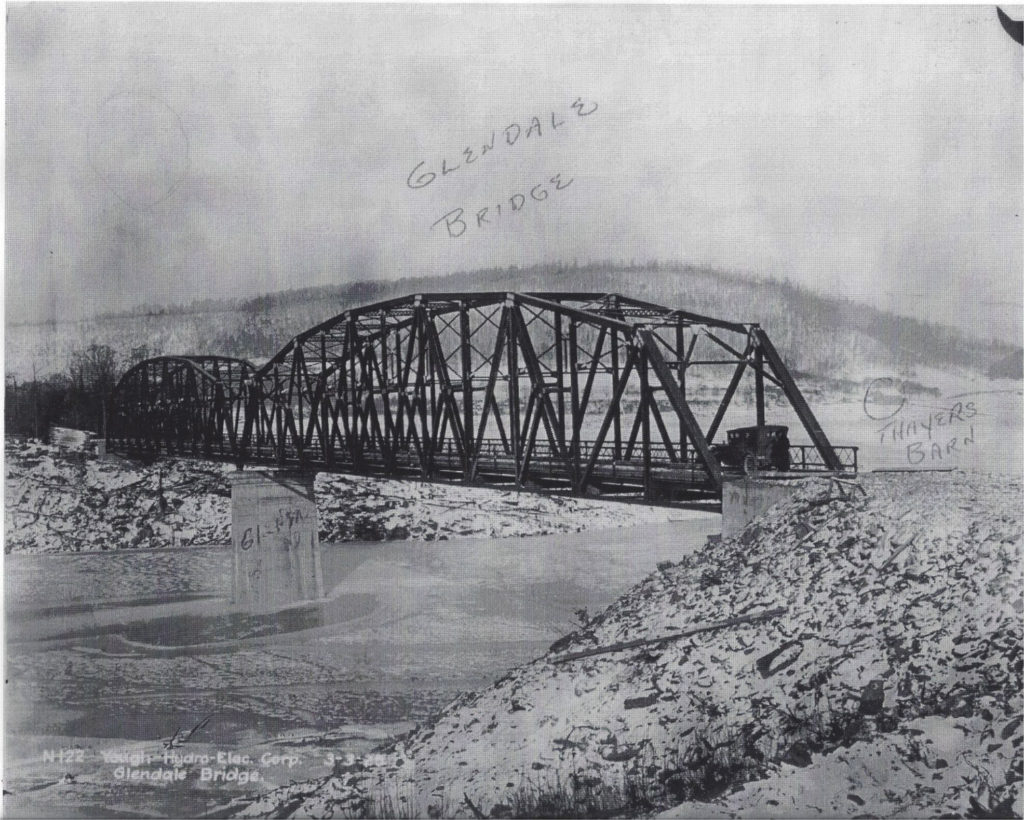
x=816 y=334
x=1009 y=367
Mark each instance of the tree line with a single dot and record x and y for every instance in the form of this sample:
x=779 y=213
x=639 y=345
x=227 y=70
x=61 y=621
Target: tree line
x=74 y=398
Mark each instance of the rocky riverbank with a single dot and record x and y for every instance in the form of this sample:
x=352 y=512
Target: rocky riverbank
x=59 y=500
x=888 y=685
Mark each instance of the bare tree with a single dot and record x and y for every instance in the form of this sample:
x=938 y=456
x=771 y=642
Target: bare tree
x=94 y=373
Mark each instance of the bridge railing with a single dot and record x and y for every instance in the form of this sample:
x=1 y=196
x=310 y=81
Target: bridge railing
x=806 y=458
x=494 y=455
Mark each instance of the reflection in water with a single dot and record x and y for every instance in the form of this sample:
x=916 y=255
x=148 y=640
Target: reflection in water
x=188 y=631
x=192 y=630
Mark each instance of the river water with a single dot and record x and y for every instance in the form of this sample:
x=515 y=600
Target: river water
x=115 y=654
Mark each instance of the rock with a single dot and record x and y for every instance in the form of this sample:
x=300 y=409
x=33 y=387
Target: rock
x=621 y=754
x=886 y=722
x=750 y=534
x=872 y=697
x=679 y=786
x=785 y=654
x=798 y=755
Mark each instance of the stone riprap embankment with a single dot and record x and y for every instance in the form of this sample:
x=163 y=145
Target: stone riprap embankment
x=893 y=680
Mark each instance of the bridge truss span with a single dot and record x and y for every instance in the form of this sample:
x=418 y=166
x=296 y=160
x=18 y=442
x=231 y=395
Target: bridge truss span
x=583 y=393
x=181 y=405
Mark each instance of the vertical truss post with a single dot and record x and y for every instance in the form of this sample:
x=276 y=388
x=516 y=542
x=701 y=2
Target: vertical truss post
x=560 y=370
x=645 y=403
x=352 y=406
x=383 y=353
x=251 y=414
x=406 y=406
x=390 y=435
x=278 y=415
x=513 y=389
x=467 y=391
x=304 y=424
x=681 y=371
x=616 y=421
x=574 y=403
x=213 y=424
x=339 y=401
x=419 y=330
x=168 y=424
x=759 y=394
x=433 y=362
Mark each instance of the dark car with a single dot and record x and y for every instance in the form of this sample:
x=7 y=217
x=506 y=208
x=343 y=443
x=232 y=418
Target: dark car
x=742 y=449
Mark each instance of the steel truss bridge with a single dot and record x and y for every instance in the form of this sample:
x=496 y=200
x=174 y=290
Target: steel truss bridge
x=579 y=393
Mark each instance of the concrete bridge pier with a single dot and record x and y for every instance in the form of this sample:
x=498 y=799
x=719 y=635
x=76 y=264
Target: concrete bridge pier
x=275 y=539
x=743 y=499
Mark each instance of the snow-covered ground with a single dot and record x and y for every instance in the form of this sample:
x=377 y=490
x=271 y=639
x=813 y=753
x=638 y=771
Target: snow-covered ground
x=64 y=501
x=891 y=684
x=952 y=766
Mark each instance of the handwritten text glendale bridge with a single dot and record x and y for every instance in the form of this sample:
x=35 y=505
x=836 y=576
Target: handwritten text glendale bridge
x=578 y=393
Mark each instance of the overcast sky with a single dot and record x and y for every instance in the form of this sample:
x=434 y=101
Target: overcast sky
x=160 y=153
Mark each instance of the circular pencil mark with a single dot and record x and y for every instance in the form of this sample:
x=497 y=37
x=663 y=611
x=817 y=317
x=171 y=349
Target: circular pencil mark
x=138 y=148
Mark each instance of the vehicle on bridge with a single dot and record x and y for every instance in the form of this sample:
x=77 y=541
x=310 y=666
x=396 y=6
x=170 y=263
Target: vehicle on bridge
x=755 y=448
